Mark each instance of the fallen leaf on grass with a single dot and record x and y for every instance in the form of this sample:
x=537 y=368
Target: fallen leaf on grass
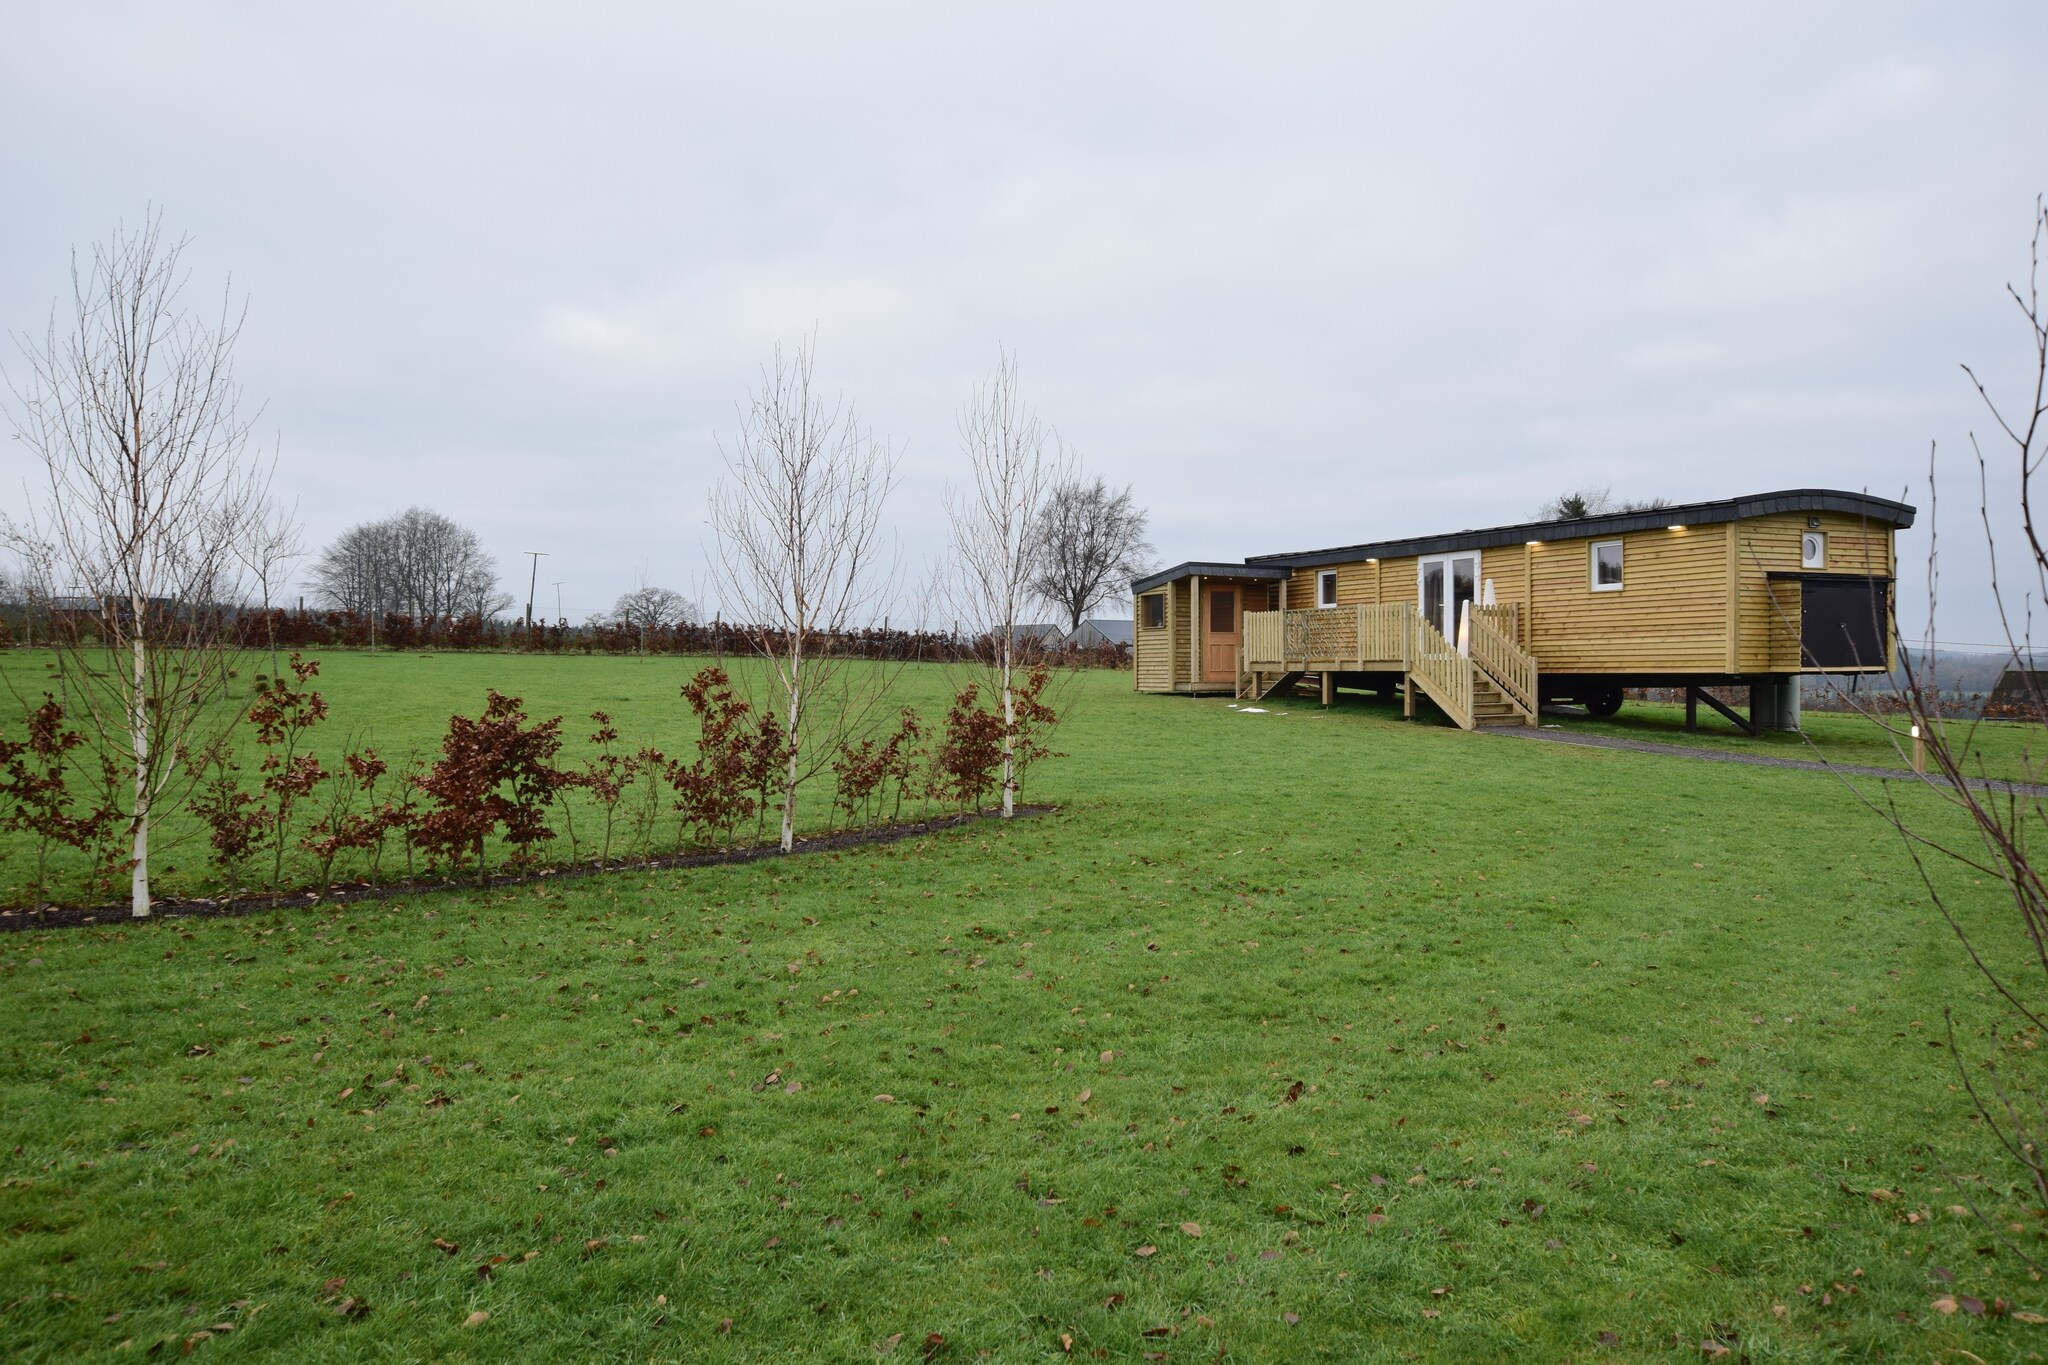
x=1945 y=1304
x=476 y=1319
x=1291 y=1319
x=932 y=1342
x=1432 y=1313
x=352 y=1307
x=1191 y=1229
x=725 y=1327
x=888 y=1343
x=1107 y=1058
x=1147 y=1250
x=1610 y=1339
x=1711 y=1348
x=1084 y=1097
x=1974 y=1307
x=442 y=1244
x=2035 y=1319
x=885 y=1099
x=1067 y=1342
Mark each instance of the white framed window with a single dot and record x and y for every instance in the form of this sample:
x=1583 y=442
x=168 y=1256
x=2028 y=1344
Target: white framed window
x=1813 y=550
x=1155 y=610
x=1326 y=588
x=1606 y=566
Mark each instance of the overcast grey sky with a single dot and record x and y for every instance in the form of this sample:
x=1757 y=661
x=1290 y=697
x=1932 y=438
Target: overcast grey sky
x=1303 y=275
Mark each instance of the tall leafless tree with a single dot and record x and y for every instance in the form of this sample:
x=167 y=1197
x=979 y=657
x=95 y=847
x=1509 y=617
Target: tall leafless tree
x=149 y=507
x=798 y=549
x=275 y=542
x=2011 y=953
x=1091 y=542
x=417 y=562
x=999 y=538
x=647 y=607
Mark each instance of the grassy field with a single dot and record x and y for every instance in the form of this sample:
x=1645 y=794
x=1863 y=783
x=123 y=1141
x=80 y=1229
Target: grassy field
x=2012 y=750
x=1305 y=1035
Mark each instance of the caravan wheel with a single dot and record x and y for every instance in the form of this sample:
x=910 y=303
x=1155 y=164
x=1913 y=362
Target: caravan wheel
x=1601 y=702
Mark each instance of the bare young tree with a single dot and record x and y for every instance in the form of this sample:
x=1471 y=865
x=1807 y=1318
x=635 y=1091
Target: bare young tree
x=274 y=543
x=1091 y=542
x=999 y=538
x=2011 y=954
x=797 y=524
x=149 y=506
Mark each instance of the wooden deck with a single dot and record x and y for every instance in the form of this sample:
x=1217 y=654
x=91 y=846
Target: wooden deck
x=1491 y=682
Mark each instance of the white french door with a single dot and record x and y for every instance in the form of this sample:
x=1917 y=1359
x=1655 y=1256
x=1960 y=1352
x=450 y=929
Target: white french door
x=1443 y=585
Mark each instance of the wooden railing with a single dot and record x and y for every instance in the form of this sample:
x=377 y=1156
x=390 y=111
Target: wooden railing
x=1322 y=634
x=1383 y=631
x=1495 y=651
x=1505 y=618
x=1265 y=639
x=1357 y=634
x=1443 y=672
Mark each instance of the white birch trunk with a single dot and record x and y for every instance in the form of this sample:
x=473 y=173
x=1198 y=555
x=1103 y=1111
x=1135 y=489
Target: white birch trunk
x=1009 y=742
x=792 y=776
x=138 y=730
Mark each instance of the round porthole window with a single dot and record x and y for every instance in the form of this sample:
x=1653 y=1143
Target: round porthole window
x=1813 y=550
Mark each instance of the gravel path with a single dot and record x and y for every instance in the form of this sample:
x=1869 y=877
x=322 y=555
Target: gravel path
x=1645 y=746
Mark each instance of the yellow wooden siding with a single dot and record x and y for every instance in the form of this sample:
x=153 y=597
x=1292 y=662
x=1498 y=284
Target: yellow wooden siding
x=1356 y=583
x=1767 y=610
x=1160 y=654
x=1671 y=613
x=1503 y=564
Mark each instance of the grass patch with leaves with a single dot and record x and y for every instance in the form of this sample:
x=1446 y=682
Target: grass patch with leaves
x=2014 y=751
x=1307 y=1035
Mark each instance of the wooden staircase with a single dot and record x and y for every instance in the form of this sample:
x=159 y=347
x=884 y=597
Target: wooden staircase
x=1489 y=682
x=1260 y=686
x=1491 y=706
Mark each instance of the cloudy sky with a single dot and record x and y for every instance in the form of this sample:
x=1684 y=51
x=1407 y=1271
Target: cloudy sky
x=1301 y=275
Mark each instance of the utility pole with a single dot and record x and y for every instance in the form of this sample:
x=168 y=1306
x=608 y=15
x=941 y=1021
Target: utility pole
x=532 y=581
x=559 y=620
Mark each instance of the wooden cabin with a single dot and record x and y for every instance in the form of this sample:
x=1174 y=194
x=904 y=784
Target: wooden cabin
x=1489 y=624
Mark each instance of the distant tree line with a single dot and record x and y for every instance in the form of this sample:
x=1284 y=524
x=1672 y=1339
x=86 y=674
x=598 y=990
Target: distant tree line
x=1580 y=503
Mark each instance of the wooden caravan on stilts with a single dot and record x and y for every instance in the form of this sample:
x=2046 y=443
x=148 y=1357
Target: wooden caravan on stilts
x=1489 y=624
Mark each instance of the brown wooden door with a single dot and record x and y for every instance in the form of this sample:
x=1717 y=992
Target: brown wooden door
x=1222 y=633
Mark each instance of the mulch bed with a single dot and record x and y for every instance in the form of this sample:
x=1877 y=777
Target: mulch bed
x=199 y=907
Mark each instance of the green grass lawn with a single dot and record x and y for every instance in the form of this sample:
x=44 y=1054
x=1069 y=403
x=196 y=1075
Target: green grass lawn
x=2012 y=750
x=1305 y=1035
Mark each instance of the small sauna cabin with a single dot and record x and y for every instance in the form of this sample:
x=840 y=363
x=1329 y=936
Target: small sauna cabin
x=1749 y=591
